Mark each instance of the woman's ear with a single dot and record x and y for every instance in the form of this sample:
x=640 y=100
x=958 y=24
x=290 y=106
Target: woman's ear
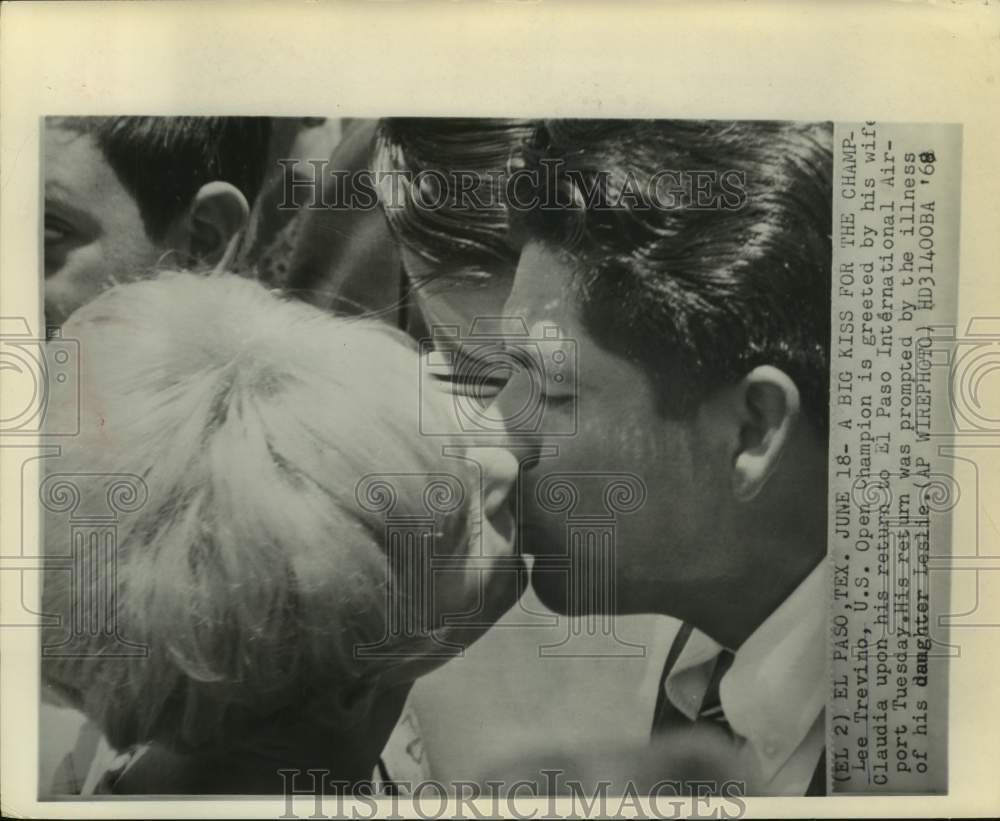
x=768 y=402
x=218 y=212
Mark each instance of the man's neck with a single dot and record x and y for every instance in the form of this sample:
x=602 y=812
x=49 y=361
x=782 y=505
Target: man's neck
x=781 y=537
x=739 y=610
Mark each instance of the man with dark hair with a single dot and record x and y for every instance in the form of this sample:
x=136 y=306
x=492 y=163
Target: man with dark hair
x=690 y=263
x=126 y=194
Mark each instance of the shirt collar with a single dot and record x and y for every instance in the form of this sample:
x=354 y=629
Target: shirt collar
x=687 y=681
x=683 y=688
x=775 y=689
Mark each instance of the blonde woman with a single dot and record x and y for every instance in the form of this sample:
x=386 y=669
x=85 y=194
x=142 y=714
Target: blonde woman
x=295 y=552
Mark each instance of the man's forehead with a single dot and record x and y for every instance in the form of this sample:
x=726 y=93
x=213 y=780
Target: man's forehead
x=76 y=170
x=543 y=287
x=67 y=147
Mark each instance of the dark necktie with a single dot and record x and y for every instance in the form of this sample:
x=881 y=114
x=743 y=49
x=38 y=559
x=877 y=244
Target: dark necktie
x=666 y=714
x=711 y=705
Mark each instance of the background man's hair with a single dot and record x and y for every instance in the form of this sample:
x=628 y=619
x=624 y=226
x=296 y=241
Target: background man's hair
x=698 y=296
x=253 y=570
x=163 y=161
x=471 y=231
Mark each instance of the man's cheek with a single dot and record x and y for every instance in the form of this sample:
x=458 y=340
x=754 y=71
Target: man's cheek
x=65 y=291
x=595 y=447
x=75 y=275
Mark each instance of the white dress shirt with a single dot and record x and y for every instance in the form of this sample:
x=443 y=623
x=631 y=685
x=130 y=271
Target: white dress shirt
x=774 y=694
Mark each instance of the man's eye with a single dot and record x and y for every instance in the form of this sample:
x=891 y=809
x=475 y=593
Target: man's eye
x=56 y=231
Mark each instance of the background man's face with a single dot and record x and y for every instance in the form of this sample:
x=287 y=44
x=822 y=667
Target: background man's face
x=659 y=549
x=94 y=234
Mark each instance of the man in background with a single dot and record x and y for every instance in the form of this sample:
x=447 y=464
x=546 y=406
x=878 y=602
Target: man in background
x=124 y=195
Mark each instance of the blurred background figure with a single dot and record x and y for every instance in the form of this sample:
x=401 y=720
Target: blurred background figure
x=126 y=195
x=273 y=228
x=409 y=265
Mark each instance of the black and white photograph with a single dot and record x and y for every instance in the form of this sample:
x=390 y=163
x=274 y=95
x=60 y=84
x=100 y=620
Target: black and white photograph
x=377 y=458
x=607 y=355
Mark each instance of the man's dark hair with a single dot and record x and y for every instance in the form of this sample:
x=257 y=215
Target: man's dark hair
x=163 y=161
x=698 y=290
x=470 y=231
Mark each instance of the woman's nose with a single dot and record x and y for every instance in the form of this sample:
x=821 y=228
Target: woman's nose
x=499 y=472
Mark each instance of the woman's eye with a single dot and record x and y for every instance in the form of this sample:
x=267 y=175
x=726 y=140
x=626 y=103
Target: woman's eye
x=560 y=388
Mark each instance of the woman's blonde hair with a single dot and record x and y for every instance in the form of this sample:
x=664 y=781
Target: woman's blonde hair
x=256 y=565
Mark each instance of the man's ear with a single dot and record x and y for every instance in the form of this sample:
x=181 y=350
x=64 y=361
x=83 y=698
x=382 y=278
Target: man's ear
x=769 y=406
x=218 y=212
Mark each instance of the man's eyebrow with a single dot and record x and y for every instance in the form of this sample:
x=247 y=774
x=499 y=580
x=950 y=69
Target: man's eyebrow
x=63 y=199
